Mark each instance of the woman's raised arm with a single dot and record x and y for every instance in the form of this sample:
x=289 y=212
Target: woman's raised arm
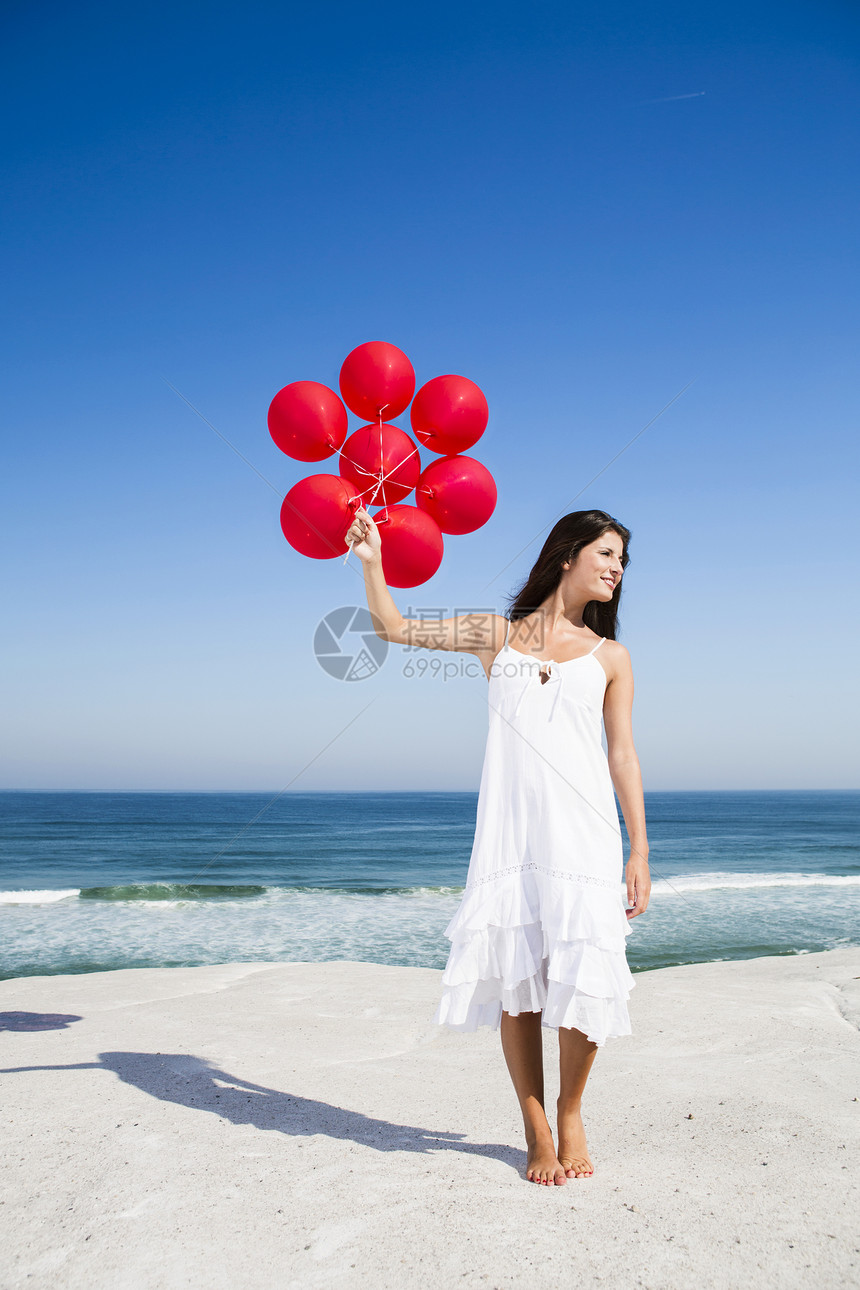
x=478 y=633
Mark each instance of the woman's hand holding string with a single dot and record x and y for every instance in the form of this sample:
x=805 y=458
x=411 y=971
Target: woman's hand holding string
x=364 y=536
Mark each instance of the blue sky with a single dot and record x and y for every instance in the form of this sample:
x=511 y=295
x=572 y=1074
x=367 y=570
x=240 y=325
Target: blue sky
x=581 y=207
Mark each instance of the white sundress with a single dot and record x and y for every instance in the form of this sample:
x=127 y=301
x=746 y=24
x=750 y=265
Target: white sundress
x=541 y=926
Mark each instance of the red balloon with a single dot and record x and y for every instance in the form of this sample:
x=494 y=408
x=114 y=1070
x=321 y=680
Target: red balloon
x=412 y=545
x=449 y=414
x=316 y=513
x=377 y=377
x=399 y=460
x=307 y=421
x=459 y=492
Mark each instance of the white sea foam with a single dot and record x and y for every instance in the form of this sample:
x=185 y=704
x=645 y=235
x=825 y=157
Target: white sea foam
x=406 y=926
x=37 y=897
x=669 y=886
x=748 y=881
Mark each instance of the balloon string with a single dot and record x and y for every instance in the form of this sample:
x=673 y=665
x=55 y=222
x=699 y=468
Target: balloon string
x=381 y=478
x=381 y=481
x=378 y=481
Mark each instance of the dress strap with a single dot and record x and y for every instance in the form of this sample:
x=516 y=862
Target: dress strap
x=598 y=645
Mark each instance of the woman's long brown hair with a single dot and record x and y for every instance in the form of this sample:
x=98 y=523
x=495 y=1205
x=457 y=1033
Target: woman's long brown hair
x=565 y=542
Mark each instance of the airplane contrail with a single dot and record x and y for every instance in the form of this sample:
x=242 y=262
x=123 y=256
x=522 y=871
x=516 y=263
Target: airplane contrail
x=671 y=98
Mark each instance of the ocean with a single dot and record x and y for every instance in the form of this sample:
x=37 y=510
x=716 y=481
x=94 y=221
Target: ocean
x=94 y=881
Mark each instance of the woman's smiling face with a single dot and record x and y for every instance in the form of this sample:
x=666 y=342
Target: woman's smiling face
x=598 y=569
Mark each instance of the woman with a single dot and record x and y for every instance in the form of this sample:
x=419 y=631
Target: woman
x=540 y=935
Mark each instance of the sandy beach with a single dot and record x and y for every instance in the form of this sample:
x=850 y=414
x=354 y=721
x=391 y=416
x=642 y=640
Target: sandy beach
x=260 y=1125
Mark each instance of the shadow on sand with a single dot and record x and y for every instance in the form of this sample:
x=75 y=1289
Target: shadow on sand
x=37 y=1020
x=198 y=1084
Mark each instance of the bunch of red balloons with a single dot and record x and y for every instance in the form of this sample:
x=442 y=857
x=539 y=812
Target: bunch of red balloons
x=380 y=464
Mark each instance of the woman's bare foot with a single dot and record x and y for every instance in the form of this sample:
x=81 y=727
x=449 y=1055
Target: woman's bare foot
x=572 y=1148
x=544 y=1166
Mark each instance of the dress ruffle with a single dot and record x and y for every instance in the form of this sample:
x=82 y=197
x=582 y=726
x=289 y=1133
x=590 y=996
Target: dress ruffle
x=521 y=943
